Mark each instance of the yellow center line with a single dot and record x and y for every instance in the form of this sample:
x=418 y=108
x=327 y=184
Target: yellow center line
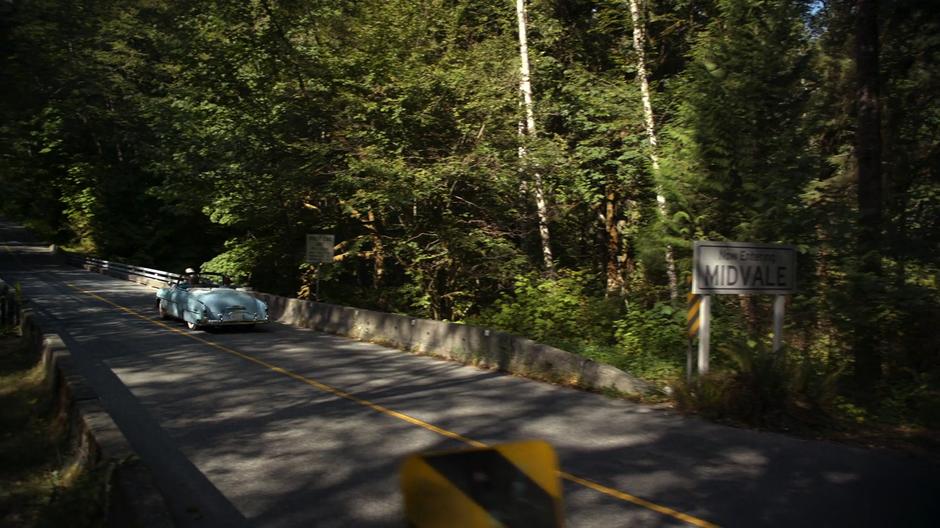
x=611 y=492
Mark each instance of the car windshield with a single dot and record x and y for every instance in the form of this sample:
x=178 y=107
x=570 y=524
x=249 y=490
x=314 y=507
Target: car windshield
x=206 y=280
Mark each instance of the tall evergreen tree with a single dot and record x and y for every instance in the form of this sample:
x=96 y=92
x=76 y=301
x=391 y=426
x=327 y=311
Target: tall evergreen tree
x=740 y=151
x=867 y=346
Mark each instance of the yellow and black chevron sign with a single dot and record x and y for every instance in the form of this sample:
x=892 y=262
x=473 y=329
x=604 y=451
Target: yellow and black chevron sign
x=692 y=318
x=510 y=485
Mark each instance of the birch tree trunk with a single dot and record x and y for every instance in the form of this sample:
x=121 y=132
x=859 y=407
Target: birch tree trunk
x=615 y=275
x=378 y=251
x=639 y=40
x=525 y=86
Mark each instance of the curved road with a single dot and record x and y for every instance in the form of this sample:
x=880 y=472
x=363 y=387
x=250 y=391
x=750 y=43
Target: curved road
x=285 y=427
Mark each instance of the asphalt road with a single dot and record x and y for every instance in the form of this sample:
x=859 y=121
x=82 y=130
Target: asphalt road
x=284 y=427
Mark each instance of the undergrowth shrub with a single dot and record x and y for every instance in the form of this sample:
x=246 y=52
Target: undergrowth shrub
x=763 y=388
x=651 y=341
x=914 y=401
x=571 y=312
x=565 y=311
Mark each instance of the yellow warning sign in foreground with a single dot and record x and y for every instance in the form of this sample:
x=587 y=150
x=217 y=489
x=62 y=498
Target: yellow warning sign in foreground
x=515 y=484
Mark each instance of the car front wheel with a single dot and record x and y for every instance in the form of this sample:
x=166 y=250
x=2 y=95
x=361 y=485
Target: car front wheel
x=191 y=325
x=161 y=310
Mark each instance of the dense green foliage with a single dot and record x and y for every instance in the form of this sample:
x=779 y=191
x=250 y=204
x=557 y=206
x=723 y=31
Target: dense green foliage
x=556 y=310
x=183 y=133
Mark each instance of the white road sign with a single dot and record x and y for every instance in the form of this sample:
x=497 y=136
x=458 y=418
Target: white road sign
x=743 y=267
x=319 y=248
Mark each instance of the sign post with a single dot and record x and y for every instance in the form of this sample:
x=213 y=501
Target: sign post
x=741 y=268
x=704 y=334
x=319 y=251
x=780 y=303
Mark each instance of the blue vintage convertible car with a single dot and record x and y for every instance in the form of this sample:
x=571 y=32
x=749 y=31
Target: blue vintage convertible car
x=208 y=300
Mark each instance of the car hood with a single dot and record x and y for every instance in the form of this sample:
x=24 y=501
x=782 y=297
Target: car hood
x=223 y=298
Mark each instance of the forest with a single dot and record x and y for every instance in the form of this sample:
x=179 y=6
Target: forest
x=540 y=167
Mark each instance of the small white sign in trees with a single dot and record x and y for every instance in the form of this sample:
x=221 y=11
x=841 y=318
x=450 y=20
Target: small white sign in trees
x=319 y=249
x=741 y=268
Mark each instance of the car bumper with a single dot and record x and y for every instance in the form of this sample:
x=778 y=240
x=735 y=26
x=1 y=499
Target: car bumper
x=238 y=320
x=216 y=322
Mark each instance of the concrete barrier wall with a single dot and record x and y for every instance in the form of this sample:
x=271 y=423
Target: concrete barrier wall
x=463 y=343
x=133 y=499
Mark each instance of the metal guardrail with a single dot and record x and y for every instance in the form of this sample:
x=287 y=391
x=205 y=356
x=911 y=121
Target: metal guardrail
x=9 y=306
x=106 y=265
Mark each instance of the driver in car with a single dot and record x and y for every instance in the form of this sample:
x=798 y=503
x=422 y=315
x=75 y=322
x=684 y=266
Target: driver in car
x=192 y=278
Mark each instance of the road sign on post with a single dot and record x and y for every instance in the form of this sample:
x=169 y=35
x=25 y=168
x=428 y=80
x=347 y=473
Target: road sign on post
x=319 y=249
x=741 y=268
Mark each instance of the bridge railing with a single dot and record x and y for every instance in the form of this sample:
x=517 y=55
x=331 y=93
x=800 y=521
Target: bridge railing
x=117 y=268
